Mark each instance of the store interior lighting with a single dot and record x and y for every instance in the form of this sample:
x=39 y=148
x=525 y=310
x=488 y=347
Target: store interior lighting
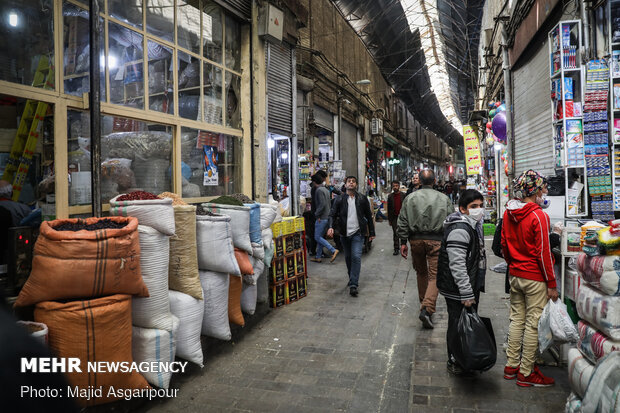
x=271 y=143
x=13 y=19
x=284 y=156
x=363 y=82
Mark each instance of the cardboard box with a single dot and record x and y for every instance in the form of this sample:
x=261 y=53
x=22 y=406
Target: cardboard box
x=278 y=270
x=277 y=295
x=302 y=286
x=288 y=224
x=298 y=240
x=300 y=262
x=279 y=249
x=276 y=228
x=291 y=290
x=290 y=266
x=289 y=243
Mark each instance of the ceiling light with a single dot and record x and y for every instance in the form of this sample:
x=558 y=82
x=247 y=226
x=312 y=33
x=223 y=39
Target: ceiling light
x=363 y=82
x=13 y=19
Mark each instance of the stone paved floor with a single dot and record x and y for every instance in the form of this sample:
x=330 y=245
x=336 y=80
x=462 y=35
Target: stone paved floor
x=333 y=352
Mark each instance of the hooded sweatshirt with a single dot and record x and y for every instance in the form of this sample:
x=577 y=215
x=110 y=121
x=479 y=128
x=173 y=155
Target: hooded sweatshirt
x=525 y=242
x=460 y=267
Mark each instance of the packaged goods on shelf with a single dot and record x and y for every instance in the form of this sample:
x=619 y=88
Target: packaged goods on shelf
x=600 y=310
x=602 y=392
x=593 y=344
x=580 y=371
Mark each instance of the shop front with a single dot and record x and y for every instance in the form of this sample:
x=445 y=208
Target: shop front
x=172 y=77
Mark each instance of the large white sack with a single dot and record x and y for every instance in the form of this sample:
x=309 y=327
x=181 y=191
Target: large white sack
x=156 y=213
x=262 y=287
x=573 y=404
x=215 y=291
x=604 y=388
x=214 y=240
x=267 y=236
x=580 y=371
x=602 y=311
x=255 y=229
x=153 y=311
x=239 y=220
x=267 y=215
x=189 y=311
x=593 y=344
x=154 y=345
x=258 y=251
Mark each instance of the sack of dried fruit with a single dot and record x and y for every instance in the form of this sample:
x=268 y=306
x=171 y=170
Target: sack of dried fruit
x=150 y=210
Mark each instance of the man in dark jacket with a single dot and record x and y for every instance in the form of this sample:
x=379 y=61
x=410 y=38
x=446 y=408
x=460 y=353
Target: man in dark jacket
x=414 y=185
x=321 y=214
x=394 y=203
x=352 y=215
x=460 y=261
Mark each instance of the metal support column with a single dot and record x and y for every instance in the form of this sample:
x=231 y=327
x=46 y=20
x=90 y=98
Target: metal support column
x=95 y=106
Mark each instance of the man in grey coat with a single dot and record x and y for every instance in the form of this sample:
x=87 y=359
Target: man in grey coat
x=322 y=198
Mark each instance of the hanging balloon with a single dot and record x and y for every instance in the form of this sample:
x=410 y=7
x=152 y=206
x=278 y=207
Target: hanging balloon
x=492 y=113
x=501 y=108
x=498 y=104
x=499 y=126
x=489 y=132
x=491 y=104
x=489 y=125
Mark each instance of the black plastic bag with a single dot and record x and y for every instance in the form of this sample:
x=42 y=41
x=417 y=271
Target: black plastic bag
x=473 y=342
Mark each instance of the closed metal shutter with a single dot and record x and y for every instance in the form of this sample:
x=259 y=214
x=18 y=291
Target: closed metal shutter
x=242 y=8
x=280 y=88
x=348 y=148
x=323 y=118
x=532 y=115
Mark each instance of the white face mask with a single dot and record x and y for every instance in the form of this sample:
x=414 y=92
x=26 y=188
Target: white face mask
x=476 y=213
x=543 y=201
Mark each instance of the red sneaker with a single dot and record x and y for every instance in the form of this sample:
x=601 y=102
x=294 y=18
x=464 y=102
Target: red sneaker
x=535 y=379
x=510 y=373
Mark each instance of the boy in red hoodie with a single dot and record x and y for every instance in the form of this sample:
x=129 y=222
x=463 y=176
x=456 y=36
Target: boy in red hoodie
x=525 y=245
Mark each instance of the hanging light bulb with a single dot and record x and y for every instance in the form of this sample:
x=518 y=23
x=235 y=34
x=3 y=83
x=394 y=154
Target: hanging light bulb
x=271 y=143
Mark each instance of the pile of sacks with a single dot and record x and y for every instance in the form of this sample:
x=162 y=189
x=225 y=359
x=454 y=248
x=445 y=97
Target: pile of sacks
x=594 y=364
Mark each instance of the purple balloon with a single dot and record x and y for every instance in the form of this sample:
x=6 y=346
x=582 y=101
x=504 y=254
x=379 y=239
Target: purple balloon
x=499 y=126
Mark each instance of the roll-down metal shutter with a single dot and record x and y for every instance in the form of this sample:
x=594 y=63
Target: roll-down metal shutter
x=280 y=88
x=532 y=115
x=242 y=8
x=323 y=118
x=348 y=148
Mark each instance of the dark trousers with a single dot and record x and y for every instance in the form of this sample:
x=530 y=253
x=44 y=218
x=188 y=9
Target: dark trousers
x=454 y=313
x=395 y=237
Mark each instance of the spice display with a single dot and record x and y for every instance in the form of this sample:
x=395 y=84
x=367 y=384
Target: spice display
x=243 y=198
x=137 y=196
x=101 y=224
x=226 y=200
x=176 y=199
x=202 y=211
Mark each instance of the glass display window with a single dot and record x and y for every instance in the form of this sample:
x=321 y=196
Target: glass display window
x=212 y=30
x=125 y=66
x=188 y=25
x=233 y=44
x=233 y=100
x=161 y=79
x=27 y=160
x=160 y=18
x=27 y=44
x=129 y=12
x=210 y=163
x=135 y=155
x=189 y=86
x=212 y=94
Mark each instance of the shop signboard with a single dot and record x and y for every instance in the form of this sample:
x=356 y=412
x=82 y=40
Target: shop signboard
x=473 y=160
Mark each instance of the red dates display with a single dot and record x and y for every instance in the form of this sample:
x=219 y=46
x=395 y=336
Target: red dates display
x=137 y=196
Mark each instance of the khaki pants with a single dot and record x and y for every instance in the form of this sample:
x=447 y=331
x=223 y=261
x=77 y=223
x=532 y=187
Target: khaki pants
x=527 y=300
x=425 y=254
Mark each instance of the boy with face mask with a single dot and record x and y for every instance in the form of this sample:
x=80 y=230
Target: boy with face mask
x=526 y=249
x=462 y=262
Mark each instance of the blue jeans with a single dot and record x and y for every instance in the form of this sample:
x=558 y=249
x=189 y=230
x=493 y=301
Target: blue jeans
x=319 y=230
x=353 y=256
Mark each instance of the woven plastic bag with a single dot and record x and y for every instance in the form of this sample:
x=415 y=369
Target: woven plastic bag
x=555 y=325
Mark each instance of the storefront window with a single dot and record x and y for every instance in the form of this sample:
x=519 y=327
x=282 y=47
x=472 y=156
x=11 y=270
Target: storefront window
x=125 y=65
x=233 y=44
x=161 y=85
x=233 y=100
x=212 y=31
x=18 y=117
x=135 y=155
x=27 y=45
x=126 y=11
x=210 y=163
x=188 y=25
x=77 y=52
x=212 y=94
x=160 y=18
x=189 y=86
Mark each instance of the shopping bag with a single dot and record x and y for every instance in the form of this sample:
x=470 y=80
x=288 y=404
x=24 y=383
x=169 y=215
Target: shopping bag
x=473 y=342
x=555 y=325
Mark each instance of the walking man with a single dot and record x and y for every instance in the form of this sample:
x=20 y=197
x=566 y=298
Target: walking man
x=526 y=249
x=352 y=215
x=421 y=222
x=321 y=213
x=414 y=185
x=394 y=203
x=461 y=259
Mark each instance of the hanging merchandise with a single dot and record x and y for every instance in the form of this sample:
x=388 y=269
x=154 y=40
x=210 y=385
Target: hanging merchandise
x=596 y=129
x=499 y=126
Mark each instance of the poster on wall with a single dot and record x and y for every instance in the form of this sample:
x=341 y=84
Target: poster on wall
x=473 y=161
x=209 y=164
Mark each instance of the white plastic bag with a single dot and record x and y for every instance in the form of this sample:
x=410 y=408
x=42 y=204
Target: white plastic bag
x=555 y=325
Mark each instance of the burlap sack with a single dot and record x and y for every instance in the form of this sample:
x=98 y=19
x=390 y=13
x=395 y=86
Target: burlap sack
x=183 y=271
x=84 y=264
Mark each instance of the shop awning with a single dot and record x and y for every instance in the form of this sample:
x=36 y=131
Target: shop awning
x=390 y=139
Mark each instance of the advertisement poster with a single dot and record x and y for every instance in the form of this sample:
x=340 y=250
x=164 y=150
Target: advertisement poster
x=473 y=161
x=209 y=164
